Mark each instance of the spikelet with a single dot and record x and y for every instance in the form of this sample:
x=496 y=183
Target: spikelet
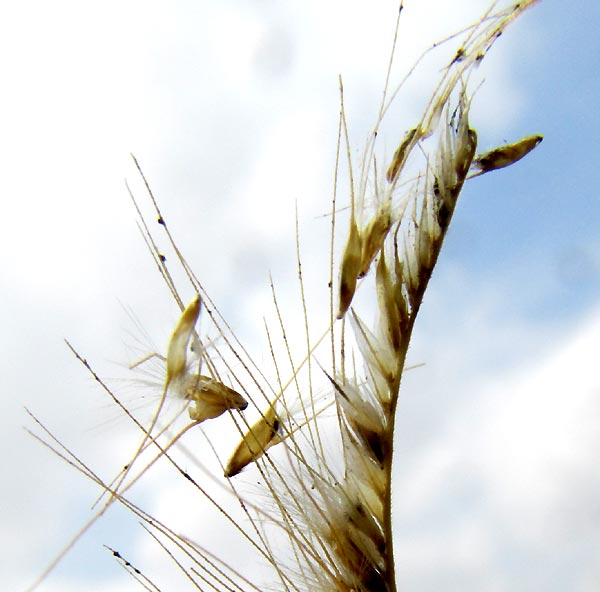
x=391 y=316
x=400 y=155
x=373 y=237
x=455 y=154
x=399 y=290
x=180 y=338
x=350 y=268
x=210 y=398
x=355 y=532
x=505 y=155
x=466 y=144
x=261 y=436
x=374 y=350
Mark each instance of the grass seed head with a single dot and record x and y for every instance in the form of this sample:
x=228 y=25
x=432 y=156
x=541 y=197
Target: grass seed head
x=338 y=519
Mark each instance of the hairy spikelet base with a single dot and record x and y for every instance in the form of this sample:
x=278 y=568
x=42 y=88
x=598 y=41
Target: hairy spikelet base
x=321 y=441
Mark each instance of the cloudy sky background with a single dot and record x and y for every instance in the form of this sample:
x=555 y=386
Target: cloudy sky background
x=231 y=108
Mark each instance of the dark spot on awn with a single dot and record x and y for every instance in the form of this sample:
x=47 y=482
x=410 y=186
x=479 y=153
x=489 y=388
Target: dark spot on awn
x=161 y=221
x=459 y=57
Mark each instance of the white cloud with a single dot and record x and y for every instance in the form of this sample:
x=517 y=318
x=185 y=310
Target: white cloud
x=510 y=471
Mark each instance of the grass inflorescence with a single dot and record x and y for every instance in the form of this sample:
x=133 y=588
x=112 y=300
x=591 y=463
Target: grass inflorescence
x=318 y=438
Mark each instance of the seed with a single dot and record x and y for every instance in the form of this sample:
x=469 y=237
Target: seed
x=506 y=155
x=176 y=352
x=254 y=444
x=374 y=235
x=211 y=398
x=350 y=268
x=399 y=155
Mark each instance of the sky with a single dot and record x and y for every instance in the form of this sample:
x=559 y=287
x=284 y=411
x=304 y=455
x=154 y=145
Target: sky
x=231 y=110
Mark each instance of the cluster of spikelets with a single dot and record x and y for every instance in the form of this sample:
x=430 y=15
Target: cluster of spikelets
x=333 y=505
x=210 y=398
x=404 y=233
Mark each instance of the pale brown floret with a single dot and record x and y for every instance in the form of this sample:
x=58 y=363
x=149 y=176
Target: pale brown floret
x=400 y=155
x=262 y=435
x=401 y=303
x=373 y=238
x=350 y=268
x=363 y=415
x=506 y=155
x=465 y=151
x=379 y=358
x=211 y=398
x=178 y=343
x=453 y=163
x=387 y=303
